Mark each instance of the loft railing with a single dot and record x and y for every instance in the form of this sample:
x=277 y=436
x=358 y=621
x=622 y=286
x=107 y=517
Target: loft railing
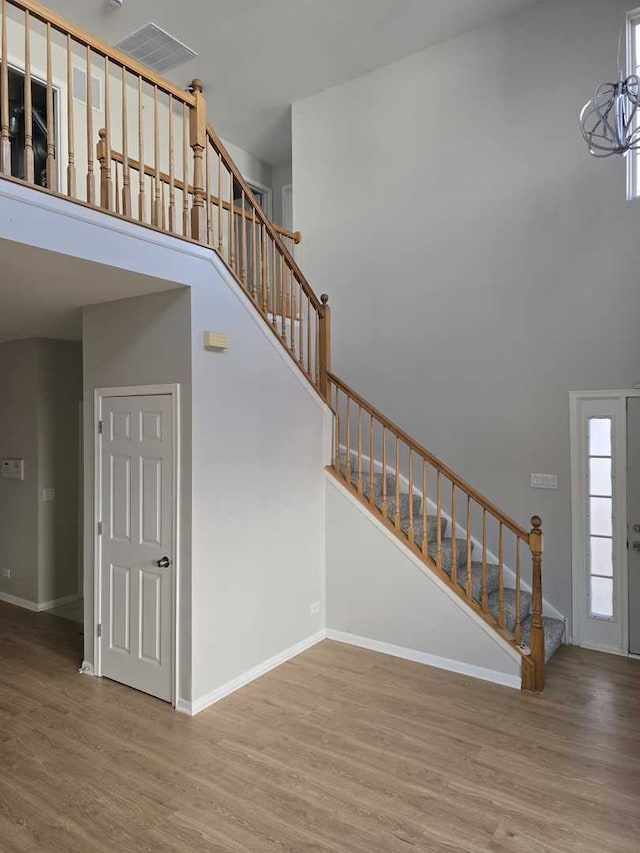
x=83 y=120
x=365 y=443
x=80 y=119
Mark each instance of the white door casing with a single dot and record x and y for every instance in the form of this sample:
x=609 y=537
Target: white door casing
x=136 y=524
x=633 y=529
x=592 y=630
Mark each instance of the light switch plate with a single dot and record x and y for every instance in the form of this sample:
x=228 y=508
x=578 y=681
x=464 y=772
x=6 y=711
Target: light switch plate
x=48 y=494
x=216 y=340
x=544 y=481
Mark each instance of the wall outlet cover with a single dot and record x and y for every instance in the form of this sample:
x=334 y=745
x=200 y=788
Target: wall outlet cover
x=314 y=608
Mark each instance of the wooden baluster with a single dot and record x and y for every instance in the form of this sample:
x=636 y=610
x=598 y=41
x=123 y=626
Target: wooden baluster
x=71 y=163
x=308 y=334
x=323 y=353
x=105 y=170
x=232 y=225
x=264 y=293
x=283 y=330
x=372 y=457
x=396 y=517
x=51 y=133
x=173 y=226
x=411 y=531
x=117 y=186
x=518 y=628
x=300 y=326
x=141 y=174
x=454 y=537
x=5 y=139
x=425 y=510
x=272 y=288
x=208 y=195
x=469 y=583
x=126 y=172
x=254 y=256
x=292 y=343
x=91 y=181
x=163 y=205
x=485 y=597
x=336 y=432
x=28 y=164
x=385 y=501
x=536 y=639
x=348 y=441
x=243 y=226
x=198 y=143
x=186 y=230
x=360 y=483
x=220 y=207
x=438 y=521
x=156 y=207
x=500 y=576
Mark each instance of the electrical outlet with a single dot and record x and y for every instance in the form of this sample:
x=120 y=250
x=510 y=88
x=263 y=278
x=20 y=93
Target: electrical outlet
x=544 y=481
x=315 y=608
x=6 y=573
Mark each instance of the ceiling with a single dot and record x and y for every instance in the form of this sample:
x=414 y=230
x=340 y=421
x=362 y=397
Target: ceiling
x=42 y=292
x=257 y=57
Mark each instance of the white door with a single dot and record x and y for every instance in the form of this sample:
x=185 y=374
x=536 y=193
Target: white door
x=599 y=523
x=633 y=510
x=136 y=544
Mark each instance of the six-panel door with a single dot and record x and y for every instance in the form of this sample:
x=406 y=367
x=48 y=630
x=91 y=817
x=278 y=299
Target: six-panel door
x=136 y=544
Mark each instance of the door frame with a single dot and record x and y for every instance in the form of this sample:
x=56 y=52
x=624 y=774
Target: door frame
x=617 y=397
x=99 y=394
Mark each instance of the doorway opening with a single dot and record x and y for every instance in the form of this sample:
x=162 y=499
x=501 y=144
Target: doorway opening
x=605 y=488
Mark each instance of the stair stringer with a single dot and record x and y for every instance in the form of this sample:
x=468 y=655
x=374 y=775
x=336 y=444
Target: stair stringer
x=428 y=622
x=509 y=574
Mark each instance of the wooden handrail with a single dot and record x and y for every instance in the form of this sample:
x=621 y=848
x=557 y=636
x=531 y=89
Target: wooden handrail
x=436 y=463
x=150 y=172
x=48 y=16
x=215 y=139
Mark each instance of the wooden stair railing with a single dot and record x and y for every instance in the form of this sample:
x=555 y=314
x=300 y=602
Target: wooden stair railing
x=367 y=443
x=158 y=162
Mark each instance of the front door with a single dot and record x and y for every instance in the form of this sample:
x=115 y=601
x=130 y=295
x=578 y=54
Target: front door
x=633 y=512
x=136 y=544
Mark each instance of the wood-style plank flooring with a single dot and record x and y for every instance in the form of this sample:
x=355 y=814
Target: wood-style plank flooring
x=338 y=750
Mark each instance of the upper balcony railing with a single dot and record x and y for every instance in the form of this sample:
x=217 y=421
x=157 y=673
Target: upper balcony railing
x=80 y=119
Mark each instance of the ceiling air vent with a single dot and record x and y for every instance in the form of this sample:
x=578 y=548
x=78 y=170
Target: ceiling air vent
x=156 y=48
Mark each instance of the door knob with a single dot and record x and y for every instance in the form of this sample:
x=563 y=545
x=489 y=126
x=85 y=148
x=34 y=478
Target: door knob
x=165 y=562
x=636 y=546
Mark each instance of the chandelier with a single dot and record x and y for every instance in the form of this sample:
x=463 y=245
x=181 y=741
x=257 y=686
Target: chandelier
x=608 y=121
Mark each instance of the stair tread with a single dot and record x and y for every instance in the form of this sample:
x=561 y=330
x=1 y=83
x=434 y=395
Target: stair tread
x=509 y=598
x=553 y=634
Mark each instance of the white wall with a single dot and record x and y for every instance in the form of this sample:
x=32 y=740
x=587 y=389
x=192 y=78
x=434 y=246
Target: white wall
x=41 y=389
x=140 y=341
x=378 y=594
x=260 y=436
x=480 y=264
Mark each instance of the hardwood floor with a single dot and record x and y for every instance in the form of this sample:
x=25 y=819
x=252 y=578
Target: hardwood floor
x=339 y=750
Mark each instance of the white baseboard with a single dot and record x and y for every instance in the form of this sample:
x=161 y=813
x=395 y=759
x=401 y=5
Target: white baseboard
x=19 y=602
x=58 y=602
x=460 y=667
x=33 y=606
x=198 y=705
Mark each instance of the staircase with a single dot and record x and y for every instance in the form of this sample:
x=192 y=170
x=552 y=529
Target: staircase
x=158 y=162
x=517 y=609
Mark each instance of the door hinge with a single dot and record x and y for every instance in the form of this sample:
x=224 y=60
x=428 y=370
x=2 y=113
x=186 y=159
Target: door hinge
x=98 y=630
x=100 y=427
x=99 y=528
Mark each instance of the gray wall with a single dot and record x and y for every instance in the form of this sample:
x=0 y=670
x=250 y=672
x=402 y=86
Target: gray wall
x=42 y=388
x=480 y=264
x=140 y=341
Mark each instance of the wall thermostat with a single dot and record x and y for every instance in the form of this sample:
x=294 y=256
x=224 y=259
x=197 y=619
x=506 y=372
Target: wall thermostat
x=12 y=469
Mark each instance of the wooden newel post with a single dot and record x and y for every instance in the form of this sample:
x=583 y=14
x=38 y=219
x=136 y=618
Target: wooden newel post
x=536 y=640
x=198 y=142
x=102 y=156
x=324 y=346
